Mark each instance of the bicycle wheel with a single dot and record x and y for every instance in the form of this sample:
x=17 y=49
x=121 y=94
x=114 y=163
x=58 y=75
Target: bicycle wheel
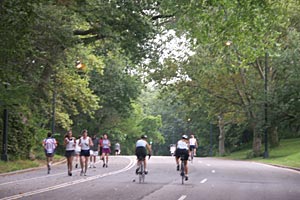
x=141 y=173
x=182 y=172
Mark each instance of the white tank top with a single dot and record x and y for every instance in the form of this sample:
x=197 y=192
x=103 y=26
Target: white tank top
x=85 y=143
x=77 y=148
x=141 y=143
x=192 y=141
x=105 y=144
x=70 y=146
x=182 y=145
x=50 y=144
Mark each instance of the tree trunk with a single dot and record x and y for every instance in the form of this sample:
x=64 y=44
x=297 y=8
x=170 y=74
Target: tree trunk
x=256 y=140
x=221 y=136
x=274 y=140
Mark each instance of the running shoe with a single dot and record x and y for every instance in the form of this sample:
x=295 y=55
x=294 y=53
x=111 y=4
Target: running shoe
x=186 y=178
x=177 y=168
x=49 y=168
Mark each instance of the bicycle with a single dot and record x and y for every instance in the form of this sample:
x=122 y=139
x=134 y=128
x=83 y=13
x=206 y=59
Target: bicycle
x=182 y=169
x=141 y=171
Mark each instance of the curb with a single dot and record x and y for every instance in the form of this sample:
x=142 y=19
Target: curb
x=286 y=167
x=270 y=164
x=29 y=169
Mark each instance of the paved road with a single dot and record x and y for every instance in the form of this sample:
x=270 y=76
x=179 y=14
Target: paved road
x=212 y=179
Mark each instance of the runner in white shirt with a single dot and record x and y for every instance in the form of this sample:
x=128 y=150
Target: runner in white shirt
x=85 y=142
x=49 y=145
x=70 y=143
x=193 y=144
x=77 y=152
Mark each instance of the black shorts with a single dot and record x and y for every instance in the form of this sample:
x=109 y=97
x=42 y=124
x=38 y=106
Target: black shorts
x=48 y=154
x=182 y=152
x=69 y=153
x=192 y=147
x=85 y=153
x=141 y=153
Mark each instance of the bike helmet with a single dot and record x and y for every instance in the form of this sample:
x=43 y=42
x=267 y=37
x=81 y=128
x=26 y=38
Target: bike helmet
x=144 y=136
x=185 y=137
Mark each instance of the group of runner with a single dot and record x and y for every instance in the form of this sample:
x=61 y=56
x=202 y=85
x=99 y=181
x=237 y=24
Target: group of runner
x=85 y=149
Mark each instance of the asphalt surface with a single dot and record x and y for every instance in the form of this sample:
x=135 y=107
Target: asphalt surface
x=209 y=178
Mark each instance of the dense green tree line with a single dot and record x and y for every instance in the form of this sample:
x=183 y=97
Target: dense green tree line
x=41 y=44
x=233 y=43
x=215 y=89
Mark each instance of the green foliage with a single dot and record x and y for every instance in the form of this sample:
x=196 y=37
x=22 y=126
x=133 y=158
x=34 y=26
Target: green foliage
x=150 y=126
x=228 y=79
x=43 y=41
x=286 y=154
x=40 y=48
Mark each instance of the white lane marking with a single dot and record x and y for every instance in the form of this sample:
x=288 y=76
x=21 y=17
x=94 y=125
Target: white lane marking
x=182 y=197
x=129 y=166
x=213 y=171
x=204 y=180
x=208 y=165
x=29 y=179
x=48 y=175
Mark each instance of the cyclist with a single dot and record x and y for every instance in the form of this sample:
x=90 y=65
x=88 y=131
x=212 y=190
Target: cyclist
x=193 y=144
x=182 y=148
x=141 y=148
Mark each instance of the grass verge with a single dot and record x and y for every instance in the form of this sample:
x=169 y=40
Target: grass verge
x=287 y=154
x=16 y=165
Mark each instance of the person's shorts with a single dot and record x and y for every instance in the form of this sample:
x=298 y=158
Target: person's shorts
x=49 y=154
x=182 y=152
x=192 y=147
x=93 y=153
x=77 y=152
x=141 y=153
x=85 y=153
x=106 y=150
x=69 y=153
